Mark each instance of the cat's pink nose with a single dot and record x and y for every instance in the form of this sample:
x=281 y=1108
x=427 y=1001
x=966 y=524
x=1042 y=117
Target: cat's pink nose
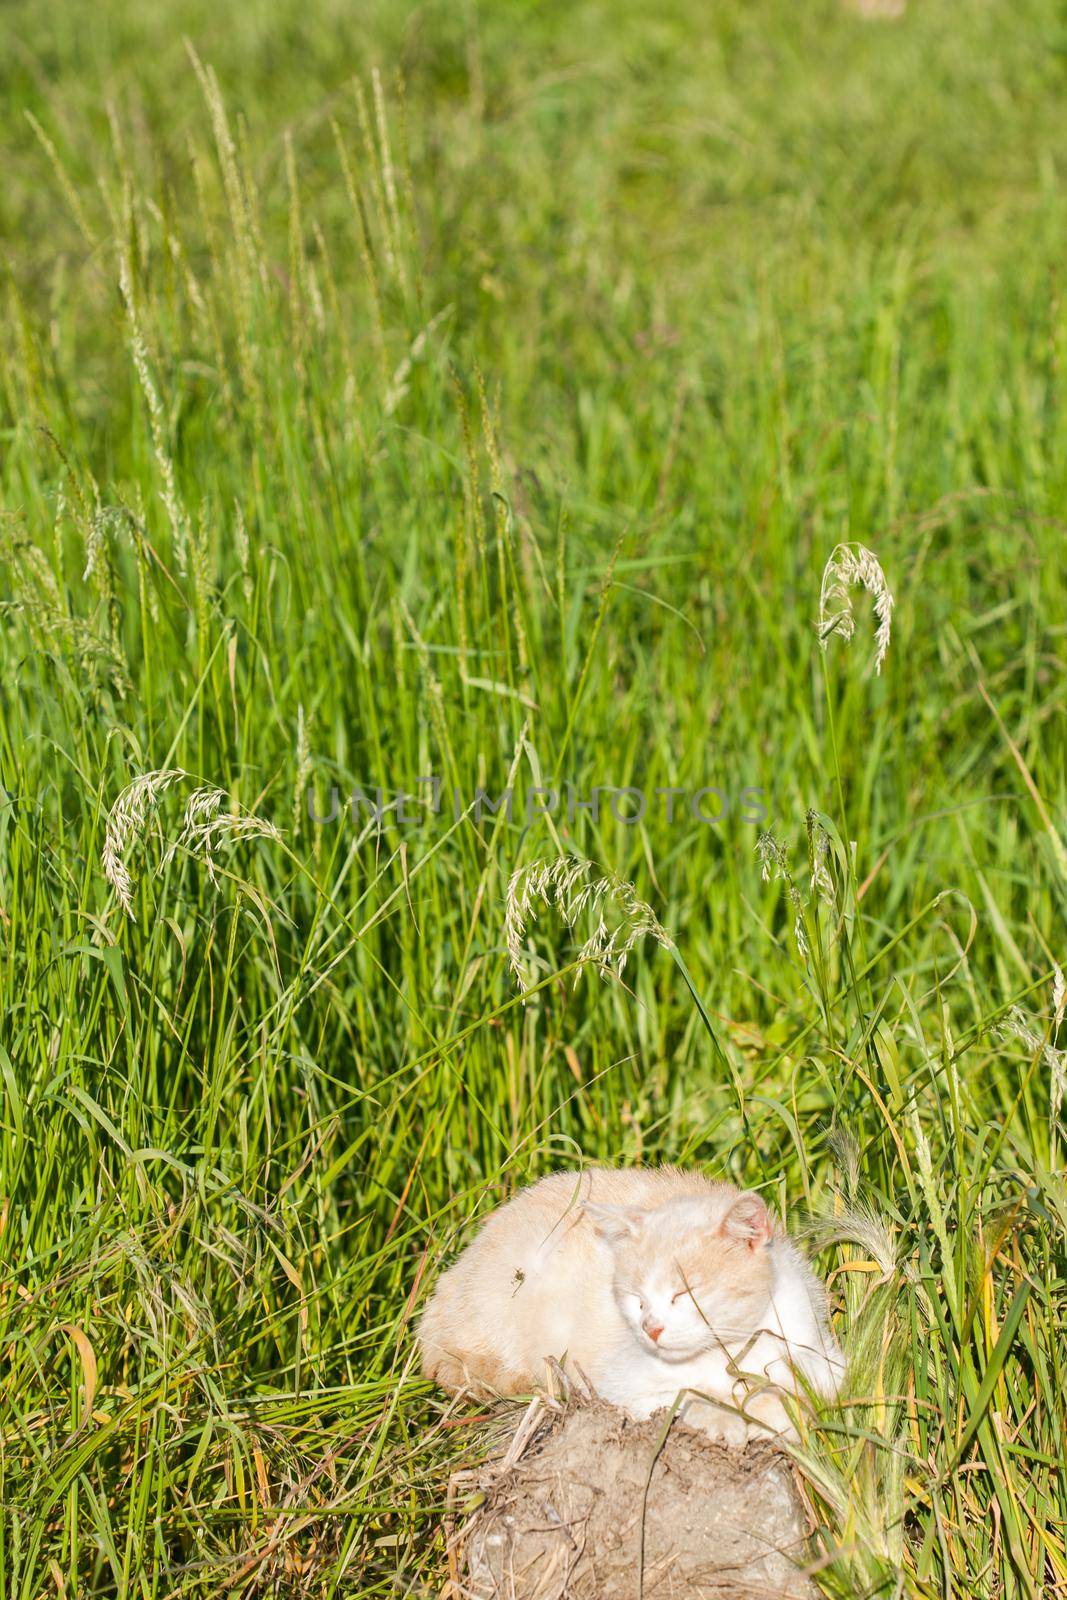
x=653 y=1329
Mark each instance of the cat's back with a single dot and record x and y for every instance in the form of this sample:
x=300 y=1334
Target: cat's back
x=616 y=1186
x=549 y=1216
x=546 y=1221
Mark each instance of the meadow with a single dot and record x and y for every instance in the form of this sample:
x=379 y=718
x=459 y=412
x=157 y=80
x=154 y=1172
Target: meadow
x=477 y=393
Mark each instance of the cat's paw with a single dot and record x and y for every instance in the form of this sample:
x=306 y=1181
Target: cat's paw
x=447 y=1371
x=718 y=1422
x=766 y=1416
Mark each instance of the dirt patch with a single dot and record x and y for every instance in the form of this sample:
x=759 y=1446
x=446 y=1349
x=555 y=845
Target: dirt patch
x=589 y=1505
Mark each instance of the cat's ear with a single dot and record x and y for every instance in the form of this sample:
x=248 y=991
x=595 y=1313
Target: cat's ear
x=748 y=1219
x=615 y=1222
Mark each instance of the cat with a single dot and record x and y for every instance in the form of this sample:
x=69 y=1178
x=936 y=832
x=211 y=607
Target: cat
x=650 y=1283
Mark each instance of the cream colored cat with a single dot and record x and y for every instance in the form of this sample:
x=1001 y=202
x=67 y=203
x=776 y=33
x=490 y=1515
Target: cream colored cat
x=651 y=1283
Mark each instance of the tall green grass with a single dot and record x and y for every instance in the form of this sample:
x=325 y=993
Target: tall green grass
x=480 y=394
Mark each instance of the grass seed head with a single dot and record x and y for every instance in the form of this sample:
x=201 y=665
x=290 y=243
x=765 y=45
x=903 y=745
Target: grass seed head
x=1017 y=1025
x=303 y=765
x=571 y=886
x=774 y=864
x=849 y=566
x=822 y=885
x=206 y=826
x=126 y=825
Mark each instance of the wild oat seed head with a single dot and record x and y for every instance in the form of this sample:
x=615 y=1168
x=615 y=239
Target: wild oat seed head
x=851 y=566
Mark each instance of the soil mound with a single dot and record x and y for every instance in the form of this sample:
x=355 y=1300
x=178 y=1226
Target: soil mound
x=587 y=1504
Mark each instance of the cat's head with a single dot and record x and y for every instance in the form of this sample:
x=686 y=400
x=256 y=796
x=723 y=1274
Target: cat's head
x=691 y=1274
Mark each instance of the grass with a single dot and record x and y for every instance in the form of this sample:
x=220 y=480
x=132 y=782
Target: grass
x=480 y=393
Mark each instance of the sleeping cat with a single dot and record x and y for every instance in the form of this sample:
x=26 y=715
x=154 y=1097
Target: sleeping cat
x=648 y=1282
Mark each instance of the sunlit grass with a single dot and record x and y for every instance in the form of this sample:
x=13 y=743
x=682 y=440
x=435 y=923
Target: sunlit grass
x=494 y=423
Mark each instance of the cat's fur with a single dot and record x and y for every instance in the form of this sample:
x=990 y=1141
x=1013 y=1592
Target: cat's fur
x=586 y=1267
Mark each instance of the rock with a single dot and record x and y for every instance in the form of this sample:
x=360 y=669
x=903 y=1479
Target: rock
x=585 y=1500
